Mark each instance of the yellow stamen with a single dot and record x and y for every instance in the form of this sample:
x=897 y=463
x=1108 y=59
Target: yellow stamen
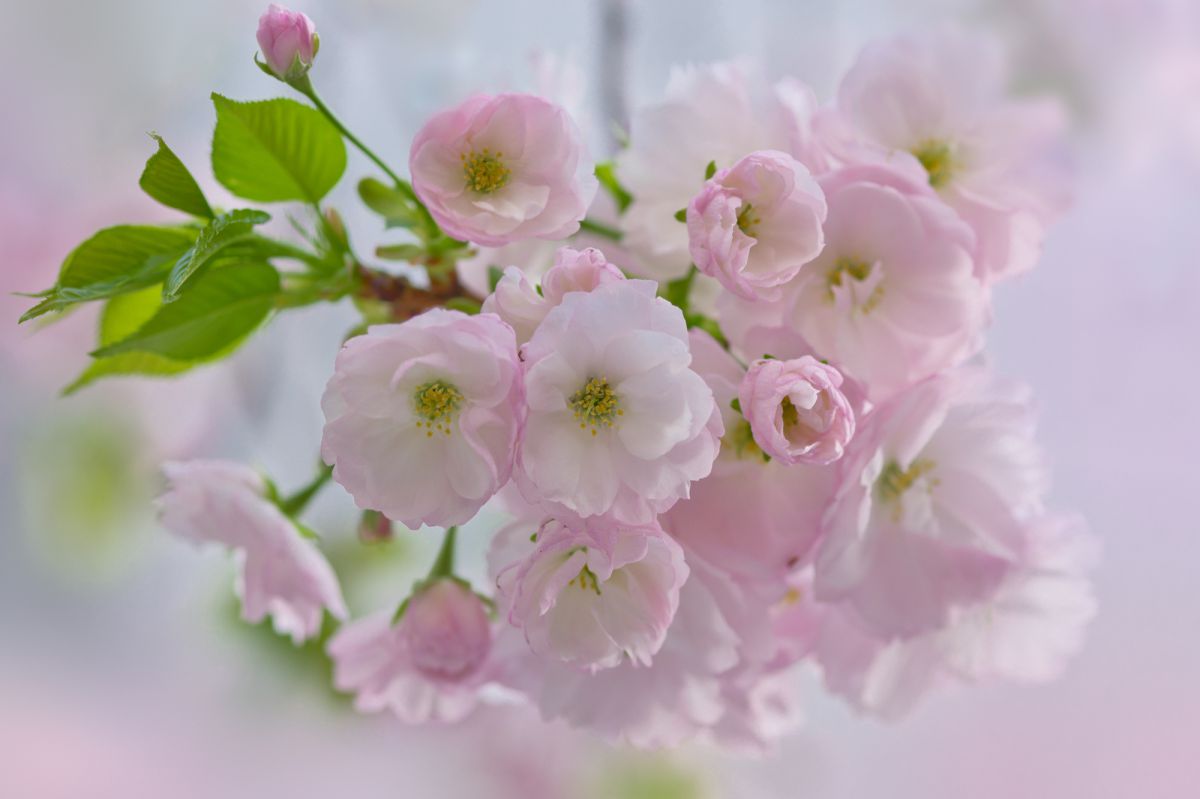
x=436 y=403
x=595 y=405
x=938 y=159
x=484 y=171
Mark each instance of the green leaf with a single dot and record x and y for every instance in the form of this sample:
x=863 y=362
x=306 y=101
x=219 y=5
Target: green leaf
x=494 y=275
x=710 y=170
x=221 y=232
x=167 y=180
x=276 y=150
x=114 y=261
x=224 y=305
x=606 y=173
x=122 y=316
x=390 y=203
x=681 y=215
x=399 y=252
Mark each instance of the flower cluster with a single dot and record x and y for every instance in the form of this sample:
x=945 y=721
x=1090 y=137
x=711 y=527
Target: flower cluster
x=728 y=424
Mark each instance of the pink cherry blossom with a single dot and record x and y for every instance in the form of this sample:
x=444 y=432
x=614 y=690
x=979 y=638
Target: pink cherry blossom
x=680 y=695
x=578 y=270
x=428 y=665
x=421 y=418
x=1025 y=632
x=281 y=573
x=710 y=113
x=892 y=298
x=937 y=490
x=498 y=169
x=617 y=422
x=518 y=301
x=756 y=223
x=288 y=40
x=596 y=594
x=759 y=520
x=796 y=409
x=997 y=161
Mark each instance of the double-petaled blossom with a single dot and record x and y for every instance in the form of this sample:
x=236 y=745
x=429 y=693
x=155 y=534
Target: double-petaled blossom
x=421 y=418
x=281 y=573
x=996 y=161
x=595 y=594
x=617 y=423
x=757 y=518
x=714 y=113
x=1025 y=632
x=498 y=169
x=938 y=490
x=524 y=304
x=756 y=223
x=288 y=40
x=796 y=409
x=428 y=665
x=892 y=298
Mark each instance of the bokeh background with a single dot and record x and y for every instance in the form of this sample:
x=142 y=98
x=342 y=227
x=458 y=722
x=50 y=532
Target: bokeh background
x=123 y=670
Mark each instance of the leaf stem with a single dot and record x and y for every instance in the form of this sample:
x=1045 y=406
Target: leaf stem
x=600 y=229
x=297 y=502
x=305 y=87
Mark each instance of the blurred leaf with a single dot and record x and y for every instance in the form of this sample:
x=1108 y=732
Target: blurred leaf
x=121 y=318
x=167 y=180
x=390 y=203
x=606 y=173
x=494 y=275
x=224 y=230
x=276 y=150
x=223 y=306
x=399 y=252
x=114 y=261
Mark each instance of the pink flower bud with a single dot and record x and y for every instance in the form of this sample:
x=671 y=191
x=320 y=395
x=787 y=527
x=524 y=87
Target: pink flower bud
x=447 y=632
x=796 y=410
x=288 y=41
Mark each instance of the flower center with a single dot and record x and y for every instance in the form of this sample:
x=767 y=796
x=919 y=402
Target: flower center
x=586 y=579
x=484 y=171
x=739 y=440
x=856 y=283
x=938 y=159
x=595 y=405
x=748 y=221
x=894 y=482
x=436 y=403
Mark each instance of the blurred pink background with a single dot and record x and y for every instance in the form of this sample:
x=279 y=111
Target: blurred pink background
x=122 y=671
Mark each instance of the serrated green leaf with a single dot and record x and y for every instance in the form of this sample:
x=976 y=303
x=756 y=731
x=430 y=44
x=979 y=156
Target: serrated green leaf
x=223 y=305
x=388 y=202
x=115 y=261
x=122 y=316
x=223 y=231
x=276 y=150
x=167 y=180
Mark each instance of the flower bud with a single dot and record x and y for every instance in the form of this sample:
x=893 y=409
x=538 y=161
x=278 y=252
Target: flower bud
x=446 y=629
x=796 y=409
x=288 y=41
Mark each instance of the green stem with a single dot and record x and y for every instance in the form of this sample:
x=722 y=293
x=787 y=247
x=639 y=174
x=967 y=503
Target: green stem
x=600 y=229
x=305 y=87
x=444 y=565
x=297 y=502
